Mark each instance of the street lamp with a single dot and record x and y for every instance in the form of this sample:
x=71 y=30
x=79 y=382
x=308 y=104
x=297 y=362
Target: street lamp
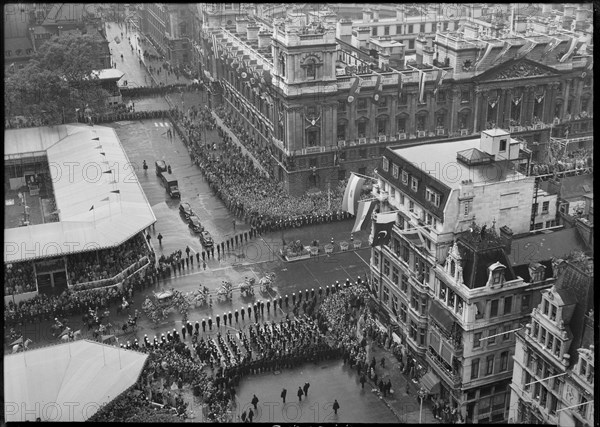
x=422 y=393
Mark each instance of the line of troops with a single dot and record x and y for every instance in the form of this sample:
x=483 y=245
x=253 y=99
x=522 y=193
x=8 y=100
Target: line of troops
x=258 y=309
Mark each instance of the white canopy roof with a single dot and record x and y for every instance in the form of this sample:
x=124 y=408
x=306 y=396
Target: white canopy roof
x=67 y=382
x=78 y=168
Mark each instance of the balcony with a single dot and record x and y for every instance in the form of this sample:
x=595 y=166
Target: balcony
x=451 y=378
x=457 y=346
x=401 y=136
x=382 y=138
x=362 y=140
x=382 y=196
x=421 y=134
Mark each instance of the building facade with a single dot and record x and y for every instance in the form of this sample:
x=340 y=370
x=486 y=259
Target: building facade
x=451 y=293
x=170 y=28
x=461 y=84
x=553 y=377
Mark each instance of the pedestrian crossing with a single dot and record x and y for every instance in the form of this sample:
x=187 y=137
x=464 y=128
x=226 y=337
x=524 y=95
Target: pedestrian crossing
x=162 y=124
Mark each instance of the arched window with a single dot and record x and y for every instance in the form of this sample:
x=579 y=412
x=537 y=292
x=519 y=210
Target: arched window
x=311 y=72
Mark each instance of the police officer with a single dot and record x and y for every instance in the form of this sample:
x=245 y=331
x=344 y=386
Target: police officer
x=243 y=312
x=218 y=319
x=190 y=328
x=262 y=308
x=249 y=311
x=287 y=305
x=183 y=331
x=237 y=316
x=203 y=325
x=327 y=290
x=210 y=323
x=299 y=297
x=347 y=282
x=306 y=294
x=293 y=299
x=269 y=307
x=320 y=292
x=230 y=316
x=197 y=327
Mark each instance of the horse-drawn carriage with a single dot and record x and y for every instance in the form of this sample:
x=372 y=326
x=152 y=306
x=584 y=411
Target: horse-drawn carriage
x=20 y=345
x=199 y=297
x=266 y=283
x=225 y=292
x=247 y=287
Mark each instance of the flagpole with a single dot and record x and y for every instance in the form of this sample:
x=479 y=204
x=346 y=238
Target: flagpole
x=109 y=209
x=94 y=213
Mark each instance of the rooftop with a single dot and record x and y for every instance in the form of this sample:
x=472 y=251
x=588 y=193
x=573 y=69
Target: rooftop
x=86 y=372
x=439 y=161
x=81 y=181
x=544 y=246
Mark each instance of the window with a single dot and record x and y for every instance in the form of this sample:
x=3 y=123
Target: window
x=361 y=104
x=395 y=170
x=399 y=31
x=376 y=258
x=386 y=294
x=386 y=31
x=465 y=96
x=422 y=334
x=404 y=177
x=402 y=120
x=414 y=184
x=386 y=266
x=477 y=340
x=467 y=207
x=546 y=307
x=341 y=131
x=374 y=31
x=506 y=335
x=413 y=330
x=503 y=145
x=395 y=274
x=411 y=206
x=550 y=342
x=411 y=44
x=507 y=305
x=553 y=311
x=410 y=29
x=312 y=137
x=543 y=334
x=441 y=96
x=310 y=70
x=545 y=207
x=491 y=340
x=414 y=301
x=494 y=308
x=362 y=129
x=404 y=283
x=525 y=301
x=432 y=197
x=386 y=164
x=489 y=369
x=405 y=254
x=534 y=209
x=403 y=312
x=341 y=107
x=394 y=302
x=475 y=369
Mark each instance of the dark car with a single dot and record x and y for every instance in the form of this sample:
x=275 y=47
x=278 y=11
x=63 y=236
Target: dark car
x=185 y=209
x=194 y=224
x=206 y=239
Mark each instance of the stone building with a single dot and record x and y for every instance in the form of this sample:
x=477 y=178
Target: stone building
x=461 y=84
x=169 y=27
x=553 y=377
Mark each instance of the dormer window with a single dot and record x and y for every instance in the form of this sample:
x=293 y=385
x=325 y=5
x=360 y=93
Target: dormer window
x=496 y=272
x=310 y=70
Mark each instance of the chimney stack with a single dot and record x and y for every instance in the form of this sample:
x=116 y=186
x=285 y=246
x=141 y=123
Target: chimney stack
x=384 y=61
x=241 y=25
x=264 y=39
x=367 y=15
x=507 y=235
x=252 y=31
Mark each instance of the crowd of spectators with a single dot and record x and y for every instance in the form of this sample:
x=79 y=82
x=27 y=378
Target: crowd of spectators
x=106 y=263
x=44 y=307
x=246 y=190
x=19 y=277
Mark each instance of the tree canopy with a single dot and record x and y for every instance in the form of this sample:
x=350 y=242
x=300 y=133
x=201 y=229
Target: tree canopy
x=58 y=79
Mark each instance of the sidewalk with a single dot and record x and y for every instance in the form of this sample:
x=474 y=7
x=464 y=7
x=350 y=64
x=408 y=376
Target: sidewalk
x=405 y=406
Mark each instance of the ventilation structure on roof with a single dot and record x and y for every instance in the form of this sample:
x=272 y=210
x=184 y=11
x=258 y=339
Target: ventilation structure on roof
x=473 y=157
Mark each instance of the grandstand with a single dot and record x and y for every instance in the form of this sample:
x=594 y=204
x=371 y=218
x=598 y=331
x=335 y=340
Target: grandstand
x=69 y=189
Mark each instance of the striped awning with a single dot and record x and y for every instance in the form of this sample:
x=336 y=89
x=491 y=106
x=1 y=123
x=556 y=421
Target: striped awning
x=431 y=383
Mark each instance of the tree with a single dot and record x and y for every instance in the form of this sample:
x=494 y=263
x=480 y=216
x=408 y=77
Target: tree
x=59 y=79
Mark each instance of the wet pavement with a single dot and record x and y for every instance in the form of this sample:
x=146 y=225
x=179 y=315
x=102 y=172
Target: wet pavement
x=328 y=380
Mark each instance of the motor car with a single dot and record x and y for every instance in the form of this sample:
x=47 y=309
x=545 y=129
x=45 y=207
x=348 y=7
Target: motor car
x=206 y=239
x=194 y=224
x=185 y=209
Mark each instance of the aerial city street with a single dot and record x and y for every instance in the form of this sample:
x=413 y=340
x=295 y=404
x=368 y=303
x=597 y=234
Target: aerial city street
x=299 y=213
